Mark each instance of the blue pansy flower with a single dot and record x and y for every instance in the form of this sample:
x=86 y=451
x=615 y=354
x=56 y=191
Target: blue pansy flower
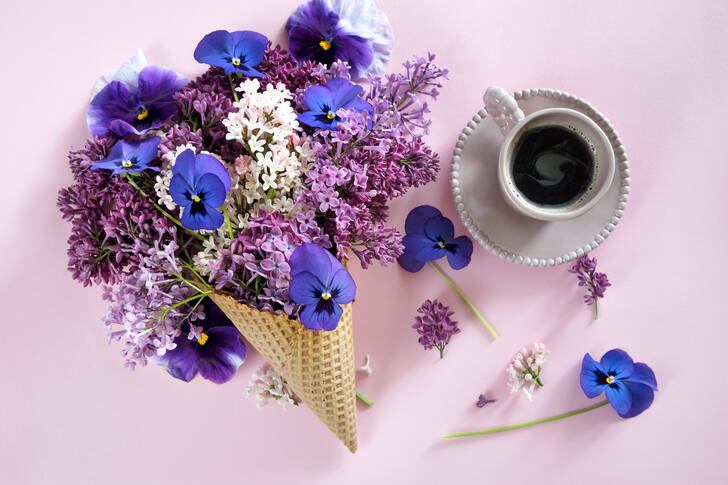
x=199 y=184
x=353 y=31
x=629 y=386
x=324 y=101
x=430 y=236
x=214 y=348
x=133 y=99
x=233 y=51
x=321 y=283
x=130 y=157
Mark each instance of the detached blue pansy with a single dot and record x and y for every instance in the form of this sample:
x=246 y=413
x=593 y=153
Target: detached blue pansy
x=353 y=31
x=324 y=101
x=629 y=386
x=321 y=283
x=214 y=348
x=133 y=99
x=199 y=184
x=233 y=51
x=430 y=236
x=130 y=157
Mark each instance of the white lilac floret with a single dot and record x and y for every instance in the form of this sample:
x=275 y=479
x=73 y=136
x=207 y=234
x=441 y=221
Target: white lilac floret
x=267 y=386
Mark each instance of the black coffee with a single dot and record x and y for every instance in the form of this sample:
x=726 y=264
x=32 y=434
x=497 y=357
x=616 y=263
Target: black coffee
x=552 y=165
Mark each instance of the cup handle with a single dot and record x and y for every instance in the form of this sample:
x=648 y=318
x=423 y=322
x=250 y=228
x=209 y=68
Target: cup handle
x=503 y=108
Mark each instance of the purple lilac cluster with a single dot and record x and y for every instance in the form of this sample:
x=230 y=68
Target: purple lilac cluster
x=434 y=325
x=367 y=162
x=255 y=268
x=108 y=219
x=596 y=283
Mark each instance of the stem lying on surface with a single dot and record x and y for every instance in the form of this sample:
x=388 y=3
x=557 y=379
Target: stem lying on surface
x=364 y=399
x=528 y=423
x=467 y=302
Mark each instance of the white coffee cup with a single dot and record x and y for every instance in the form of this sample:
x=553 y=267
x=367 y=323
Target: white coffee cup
x=504 y=110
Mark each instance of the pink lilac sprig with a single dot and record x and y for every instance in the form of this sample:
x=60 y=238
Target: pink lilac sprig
x=595 y=282
x=435 y=326
x=524 y=372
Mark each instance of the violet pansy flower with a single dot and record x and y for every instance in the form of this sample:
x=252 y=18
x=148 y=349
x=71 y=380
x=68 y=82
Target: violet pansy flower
x=354 y=31
x=199 y=184
x=430 y=236
x=133 y=99
x=214 y=348
x=628 y=385
x=321 y=283
x=236 y=52
x=323 y=102
x=130 y=157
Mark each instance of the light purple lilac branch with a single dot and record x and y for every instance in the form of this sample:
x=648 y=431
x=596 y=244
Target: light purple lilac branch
x=595 y=282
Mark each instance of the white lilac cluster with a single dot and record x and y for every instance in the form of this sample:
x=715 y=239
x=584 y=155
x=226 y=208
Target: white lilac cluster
x=267 y=385
x=271 y=170
x=524 y=372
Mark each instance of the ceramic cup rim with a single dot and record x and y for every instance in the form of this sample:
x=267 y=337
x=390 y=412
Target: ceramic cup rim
x=592 y=131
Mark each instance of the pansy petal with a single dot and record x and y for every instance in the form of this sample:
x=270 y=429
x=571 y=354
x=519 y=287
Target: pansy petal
x=118 y=152
x=409 y=263
x=303 y=43
x=127 y=73
x=315 y=15
x=205 y=163
x=343 y=285
x=415 y=222
x=180 y=191
x=214 y=48
x=592 y=377
x=184 y=165
x=617 y=363
x=356 y=51
x=211 y=188
x=422 y=248
x=343 y=92
x=642 y=397
x=195 y=220
x=619 y=397
x=439 y=228
x=459 y=252
x=312 y=258
x=222 y=355
x=146 y=151
x=181 y=362
x=113 y=102
x=642 y=374
x=249 y=45
x=319 y=99
x=251 y=72
x=305 y=288
x=121 y=128
x=313 y=320
x=313 y=119
x=158 y=83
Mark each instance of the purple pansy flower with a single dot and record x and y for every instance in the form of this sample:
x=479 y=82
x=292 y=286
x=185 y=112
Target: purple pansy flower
x=430 y=236
x=321 y=283
x=137 y=99
x=215 y=348
x=199 y=184
x=130 y=157
x=353 y=31
x=323 y=102
x=629 y=386
x=233 y=51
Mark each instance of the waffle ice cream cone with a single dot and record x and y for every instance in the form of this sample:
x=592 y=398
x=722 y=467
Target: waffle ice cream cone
x=318 y=365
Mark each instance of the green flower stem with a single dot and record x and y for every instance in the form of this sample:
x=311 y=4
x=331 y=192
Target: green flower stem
x=467 y=302
x=596 y=309
x=227 y=220
x=232 y=86
x=164 y=212
x=364 y=399
x=529 y=423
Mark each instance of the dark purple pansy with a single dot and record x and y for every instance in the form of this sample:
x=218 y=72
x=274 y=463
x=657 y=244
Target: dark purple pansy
x=237 y=51
x=130 y=157
x=214 y=348
x=324 y=101
x=199 y=184
x=629 y=386
x=321 y=283
x=135 y=106
x=430 y=236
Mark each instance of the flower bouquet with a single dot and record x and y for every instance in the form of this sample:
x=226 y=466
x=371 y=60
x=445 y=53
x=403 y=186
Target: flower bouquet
x=247 y=190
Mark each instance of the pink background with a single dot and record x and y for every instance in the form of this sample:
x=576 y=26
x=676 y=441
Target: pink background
x=70 y=414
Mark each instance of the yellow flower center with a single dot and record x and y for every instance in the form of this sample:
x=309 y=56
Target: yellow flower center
x=236 y=62
x=441 y=244
x=126 y=164
x=325 y=44
x=610 y=379
x=325 y=296
x=203 y=338
x=143 y=114
x=330 y=115
x=195 y=198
